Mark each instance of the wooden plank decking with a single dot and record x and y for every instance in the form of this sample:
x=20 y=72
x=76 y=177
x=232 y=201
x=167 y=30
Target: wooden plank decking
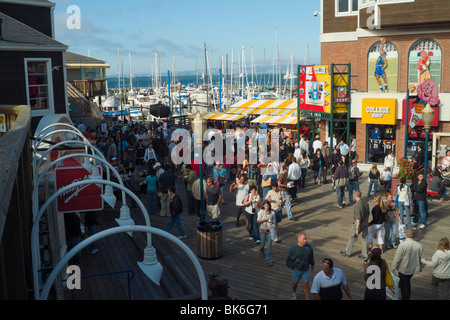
x=250 y=278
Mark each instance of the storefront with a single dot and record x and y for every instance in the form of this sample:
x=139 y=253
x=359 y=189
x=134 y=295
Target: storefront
x=380 y=118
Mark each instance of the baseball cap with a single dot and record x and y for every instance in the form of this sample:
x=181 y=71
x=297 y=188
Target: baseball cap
x=296 y=144
x=157 y=165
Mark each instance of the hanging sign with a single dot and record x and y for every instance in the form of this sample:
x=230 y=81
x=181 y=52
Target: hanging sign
x=81 y=198
x=314 y=88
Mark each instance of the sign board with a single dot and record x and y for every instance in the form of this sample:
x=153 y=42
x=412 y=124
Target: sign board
x=315 y=89
x=2 y=123
x=82 y=198
x=379 y=111
x=415 y=114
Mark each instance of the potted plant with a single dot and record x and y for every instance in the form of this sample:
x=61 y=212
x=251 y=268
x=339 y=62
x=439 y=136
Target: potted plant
x=405 y=170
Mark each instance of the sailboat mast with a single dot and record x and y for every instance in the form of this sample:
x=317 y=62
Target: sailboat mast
x=131 y=79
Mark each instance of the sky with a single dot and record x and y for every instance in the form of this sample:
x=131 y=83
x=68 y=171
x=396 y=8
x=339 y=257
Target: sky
x=114 y=31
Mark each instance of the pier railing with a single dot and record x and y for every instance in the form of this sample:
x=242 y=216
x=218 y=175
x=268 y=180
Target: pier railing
x=91 y=88
x=15 y=204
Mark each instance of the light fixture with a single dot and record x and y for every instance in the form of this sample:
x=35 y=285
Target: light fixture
x=87 y=164
x=316 y=13
x=427 y=117
x=150 y=266
x=125 y=218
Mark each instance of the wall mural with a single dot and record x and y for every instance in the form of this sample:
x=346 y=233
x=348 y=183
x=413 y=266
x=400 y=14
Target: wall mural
x=425 y=62
x=382 y=67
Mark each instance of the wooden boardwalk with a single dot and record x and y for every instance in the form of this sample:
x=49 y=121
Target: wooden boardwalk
x=250 y=278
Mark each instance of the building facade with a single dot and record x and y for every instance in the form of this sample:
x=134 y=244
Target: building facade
x=406 y=43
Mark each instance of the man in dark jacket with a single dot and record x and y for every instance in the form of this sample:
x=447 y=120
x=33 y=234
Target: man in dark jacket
x=419 y=157
x=419 y=189
x=176 y=208
x=341 y=181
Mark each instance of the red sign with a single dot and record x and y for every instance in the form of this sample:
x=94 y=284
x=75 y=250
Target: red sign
x=81 y=198
x=412 y=106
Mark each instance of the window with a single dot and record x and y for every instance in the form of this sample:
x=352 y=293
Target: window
x=382 y=68
x=346 y=7
x=381 y=140
x=39 y=84
x=368 y=3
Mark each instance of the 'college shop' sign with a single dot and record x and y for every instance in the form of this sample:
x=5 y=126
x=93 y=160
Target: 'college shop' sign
x=379 y=111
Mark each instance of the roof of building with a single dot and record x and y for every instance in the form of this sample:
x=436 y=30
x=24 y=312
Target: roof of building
x=74 y=60
x=18 y=36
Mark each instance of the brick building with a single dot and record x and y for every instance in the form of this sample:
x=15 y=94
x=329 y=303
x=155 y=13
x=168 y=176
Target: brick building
x=352 y=31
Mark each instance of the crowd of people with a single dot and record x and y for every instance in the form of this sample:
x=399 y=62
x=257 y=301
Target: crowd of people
x=265 y=189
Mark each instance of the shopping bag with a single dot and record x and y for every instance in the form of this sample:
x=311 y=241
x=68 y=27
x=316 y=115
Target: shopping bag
x=389 y=280
x=393 y=292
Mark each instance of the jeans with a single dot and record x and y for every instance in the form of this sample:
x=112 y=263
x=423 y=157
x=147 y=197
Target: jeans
x=287 y=205
x=442 y=192
x=293 y=190
x=152 y=197
x=352 y=186
x=74 y=240
x=190 y=199
x=318 y=174
x=175 y=220
x=373 y=183
x=445 y=286
x=340 y=191
x=252 y=225
x=266 y=237
x=422 y=208
x=302 y=181
x=403 y=208
x=390 y=232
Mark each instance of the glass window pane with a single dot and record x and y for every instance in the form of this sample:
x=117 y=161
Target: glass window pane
x=343 y=6
x=38 y=84
x=355 y=5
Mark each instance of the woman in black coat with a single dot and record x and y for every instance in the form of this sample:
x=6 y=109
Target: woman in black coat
x=318 y=164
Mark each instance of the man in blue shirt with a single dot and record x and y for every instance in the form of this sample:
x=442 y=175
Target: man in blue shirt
x=344 y=149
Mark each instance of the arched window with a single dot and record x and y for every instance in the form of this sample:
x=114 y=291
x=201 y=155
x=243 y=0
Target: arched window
x=382 y=67
x=425 y=61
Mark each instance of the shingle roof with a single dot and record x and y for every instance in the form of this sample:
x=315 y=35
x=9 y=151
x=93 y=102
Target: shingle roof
x=73 y=59
x=16 y=35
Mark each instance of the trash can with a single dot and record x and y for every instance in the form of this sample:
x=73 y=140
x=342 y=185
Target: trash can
x=209 y=239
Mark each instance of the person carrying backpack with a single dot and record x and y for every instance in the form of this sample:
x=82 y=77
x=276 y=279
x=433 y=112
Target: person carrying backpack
x=353 y=179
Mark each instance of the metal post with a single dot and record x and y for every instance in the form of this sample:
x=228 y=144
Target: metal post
x=202 y=210
x=426 y=154
x=298 y=103
x=332 y=107
x=168 y=87
x=220 y=90
x=406 y=124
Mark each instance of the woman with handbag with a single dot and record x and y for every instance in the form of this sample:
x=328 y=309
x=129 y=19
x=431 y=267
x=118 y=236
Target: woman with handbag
x=372 y=291
x=404 y=201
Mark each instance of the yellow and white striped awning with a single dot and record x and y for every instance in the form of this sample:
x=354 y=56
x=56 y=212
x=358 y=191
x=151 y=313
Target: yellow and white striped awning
x=268 y=107
x=217 y=116
x=282 y=120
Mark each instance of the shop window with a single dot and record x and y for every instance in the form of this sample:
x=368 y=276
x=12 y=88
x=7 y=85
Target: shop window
x=382 y=141
x=425 y=62
x=39 y=83
x=382 y=67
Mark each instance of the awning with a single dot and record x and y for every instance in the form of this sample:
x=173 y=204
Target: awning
x=269 y=107
x=283 y=120
x=218 y=116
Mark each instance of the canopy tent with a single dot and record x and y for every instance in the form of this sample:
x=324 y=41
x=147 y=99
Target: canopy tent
x=269 y=107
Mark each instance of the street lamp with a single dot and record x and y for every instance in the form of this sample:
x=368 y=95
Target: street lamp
x=427 y=118
x=199 y=128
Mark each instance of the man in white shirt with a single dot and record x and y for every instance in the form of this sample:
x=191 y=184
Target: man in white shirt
x=297 y=151
x=242 y=189
x=294 y=175
x=304 y=145
x=317 y=144
x=334 y=141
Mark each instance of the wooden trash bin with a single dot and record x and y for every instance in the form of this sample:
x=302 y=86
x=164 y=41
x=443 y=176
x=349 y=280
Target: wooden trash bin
x=209 y=239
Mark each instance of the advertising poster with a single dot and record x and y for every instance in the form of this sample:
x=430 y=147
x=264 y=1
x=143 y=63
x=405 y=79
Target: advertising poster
x=314 y=88
x=382 y=67
x=425 y=62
